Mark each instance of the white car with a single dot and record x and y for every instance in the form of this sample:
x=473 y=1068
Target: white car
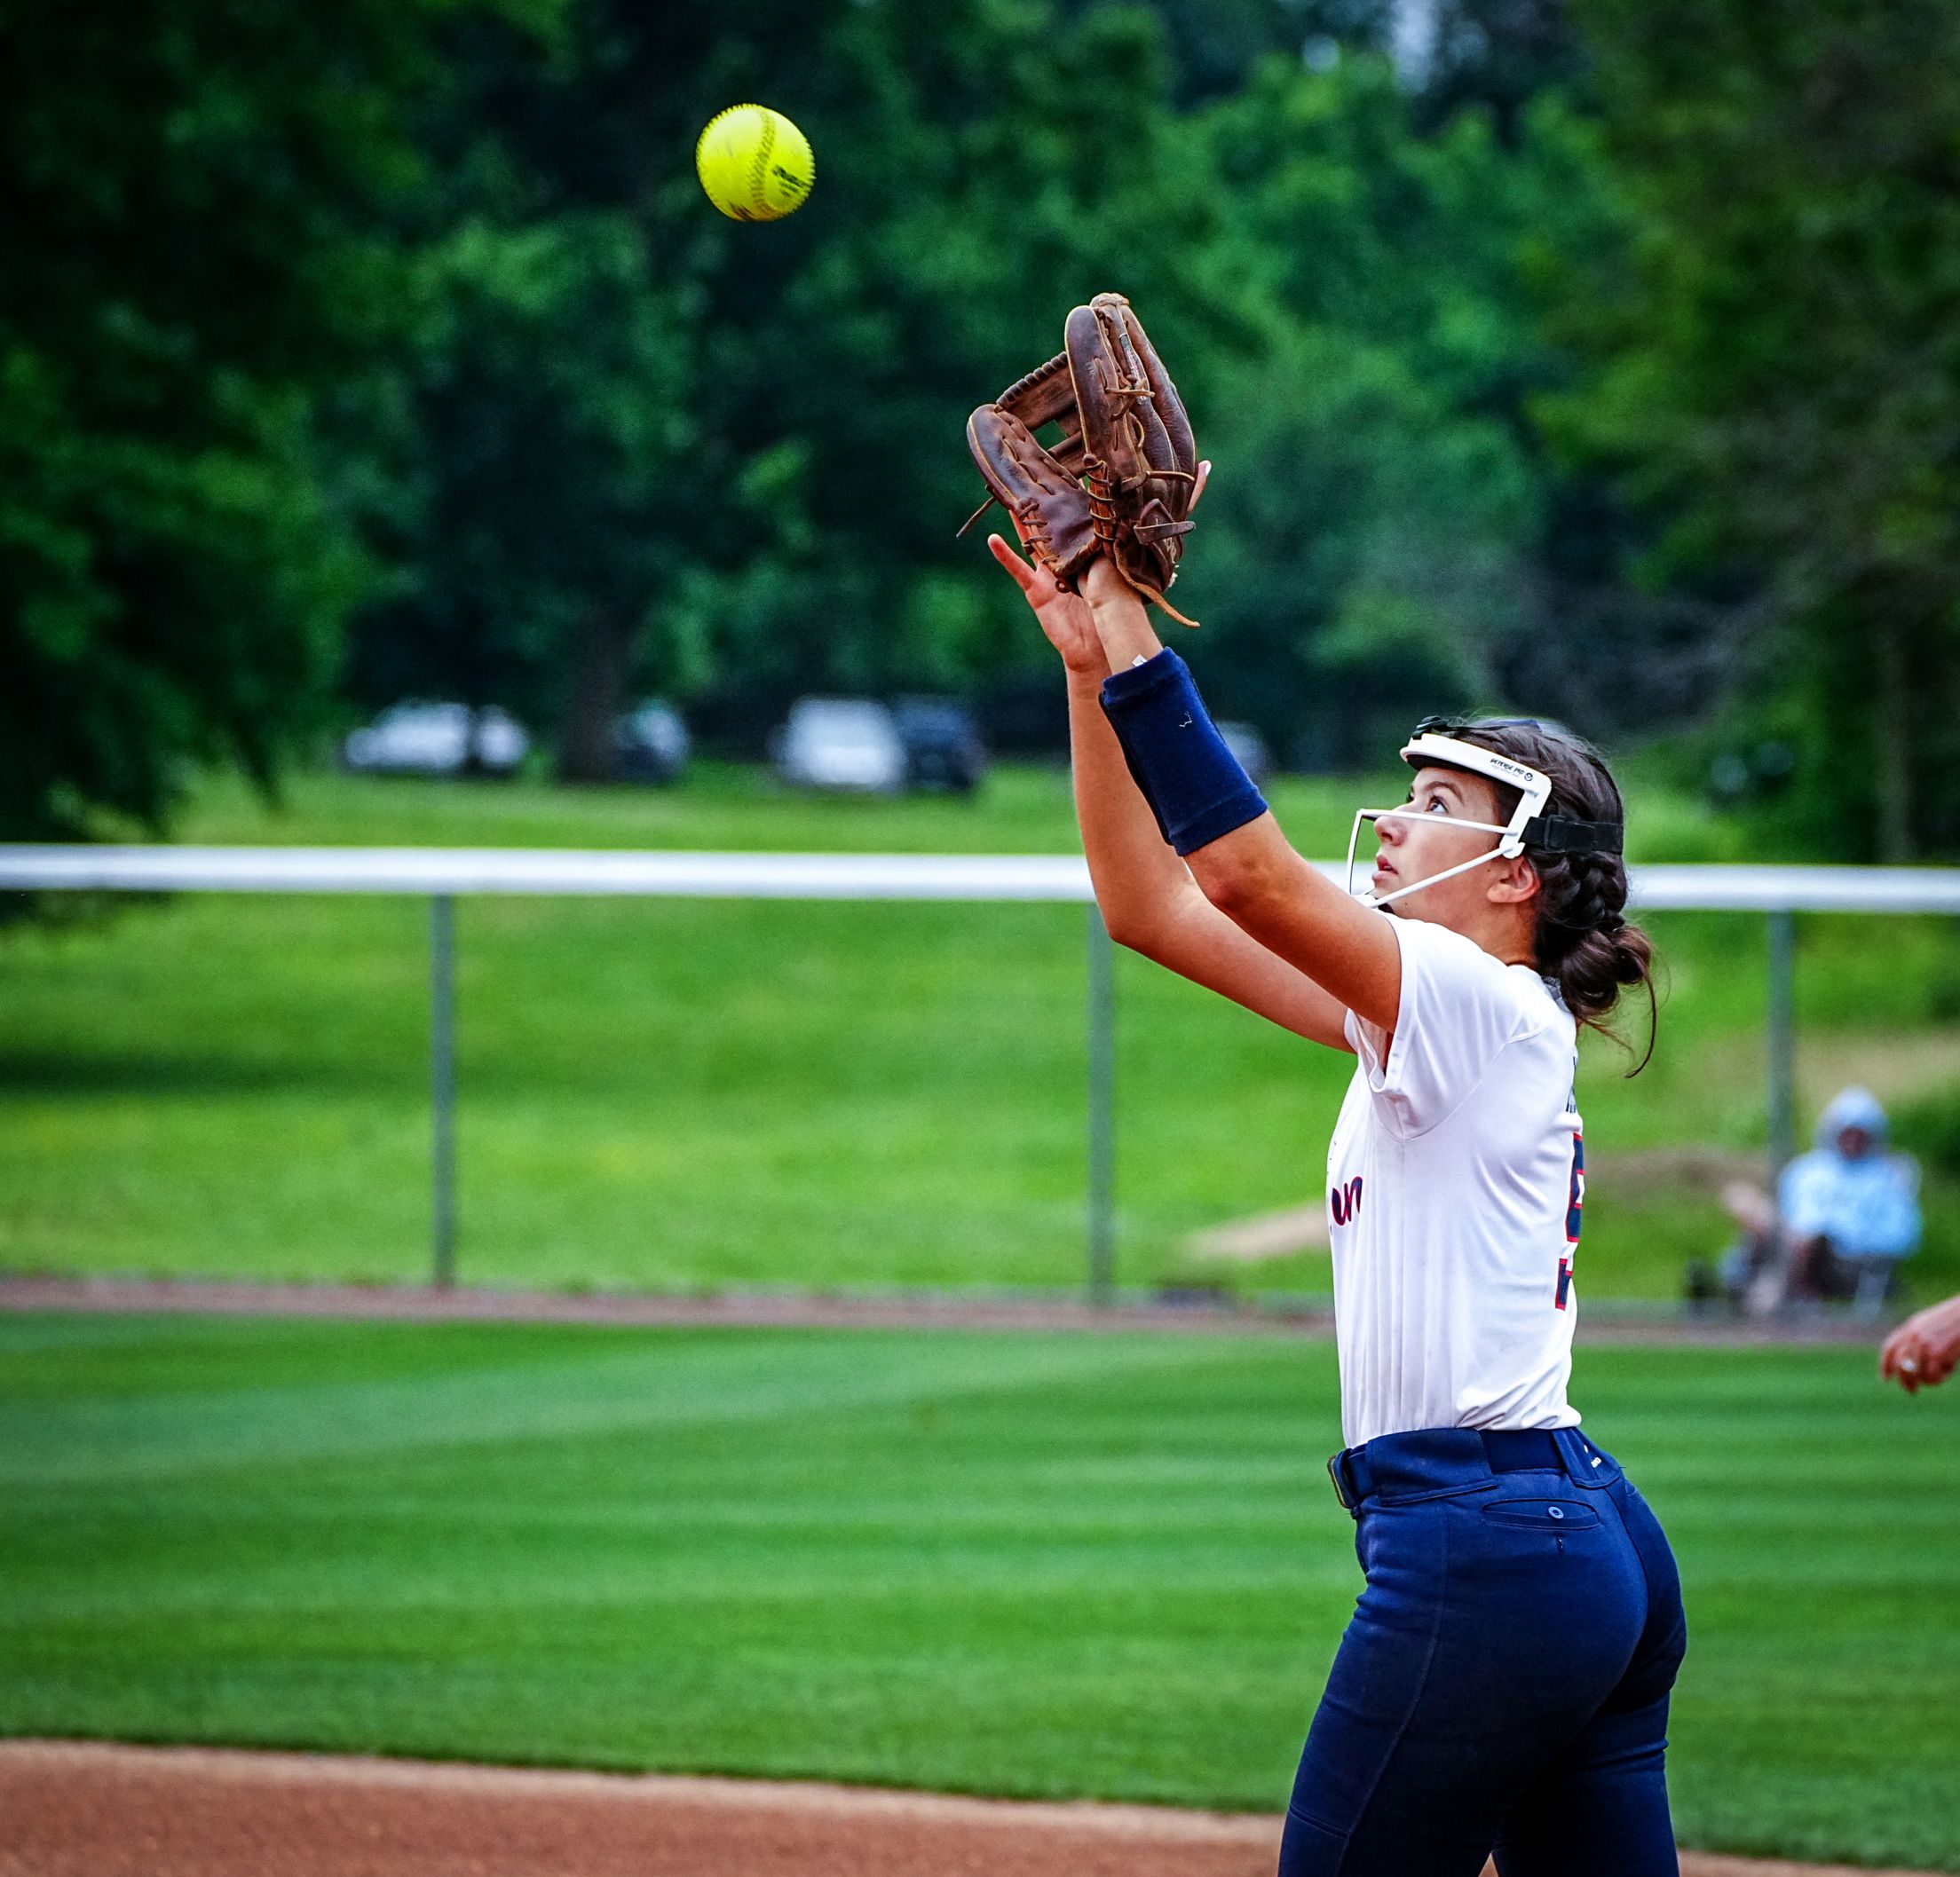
x=839 y=743
x=436 y=739
x=1245 y=742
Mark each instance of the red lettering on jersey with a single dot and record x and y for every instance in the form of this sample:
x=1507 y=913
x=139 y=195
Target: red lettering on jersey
x=1344 y=1202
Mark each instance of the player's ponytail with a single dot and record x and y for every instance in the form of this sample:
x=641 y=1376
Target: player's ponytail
x=1582 y=941
x=1585 y=942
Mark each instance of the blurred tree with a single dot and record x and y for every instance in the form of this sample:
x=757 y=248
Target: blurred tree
x=1382 y=512
x=196 y=196
x=547 y=490
x=467 y=343
x=548 y=380
x=1213 y=45
x=1494 y=54
x=1781 y=376
x=1366 y=555
x=977 y=193
x=736 y=471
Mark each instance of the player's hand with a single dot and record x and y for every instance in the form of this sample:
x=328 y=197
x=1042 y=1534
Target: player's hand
x=1925 y=1349
x=1064 y=616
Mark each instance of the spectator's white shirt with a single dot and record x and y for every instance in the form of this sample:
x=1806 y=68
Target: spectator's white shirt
x=1455 y=1185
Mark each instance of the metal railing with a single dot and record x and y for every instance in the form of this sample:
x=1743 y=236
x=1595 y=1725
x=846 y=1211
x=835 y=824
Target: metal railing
x=443 y=873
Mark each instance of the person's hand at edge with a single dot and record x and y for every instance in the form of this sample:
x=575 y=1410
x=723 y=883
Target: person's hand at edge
x=1925 y=1349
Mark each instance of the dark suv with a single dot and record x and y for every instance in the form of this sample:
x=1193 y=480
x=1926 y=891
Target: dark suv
x=943 y=749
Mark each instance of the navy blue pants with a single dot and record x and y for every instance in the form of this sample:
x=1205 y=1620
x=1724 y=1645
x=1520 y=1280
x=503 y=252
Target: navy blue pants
x=1503 y=1686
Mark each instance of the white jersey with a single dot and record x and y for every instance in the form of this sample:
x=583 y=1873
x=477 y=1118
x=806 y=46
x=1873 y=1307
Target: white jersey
x=1455 y=1182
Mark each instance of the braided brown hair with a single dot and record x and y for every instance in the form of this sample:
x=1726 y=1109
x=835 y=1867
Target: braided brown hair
x=1583 y=940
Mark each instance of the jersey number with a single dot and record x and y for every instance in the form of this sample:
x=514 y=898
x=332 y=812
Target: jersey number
x=1575 y=1209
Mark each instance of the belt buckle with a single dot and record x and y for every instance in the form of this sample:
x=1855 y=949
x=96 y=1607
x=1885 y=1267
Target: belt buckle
x=1340 y=1491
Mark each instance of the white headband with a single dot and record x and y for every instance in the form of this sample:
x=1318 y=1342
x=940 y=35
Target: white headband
x=1533 y=785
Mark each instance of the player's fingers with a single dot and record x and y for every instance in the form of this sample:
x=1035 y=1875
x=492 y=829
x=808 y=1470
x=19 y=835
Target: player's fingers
x=1906 y=1356
x=1024 y=575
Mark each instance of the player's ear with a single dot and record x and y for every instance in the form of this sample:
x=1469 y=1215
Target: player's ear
x=1514 y=883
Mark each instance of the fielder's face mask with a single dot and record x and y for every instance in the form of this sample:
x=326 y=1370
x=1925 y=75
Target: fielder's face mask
x=1437 y=744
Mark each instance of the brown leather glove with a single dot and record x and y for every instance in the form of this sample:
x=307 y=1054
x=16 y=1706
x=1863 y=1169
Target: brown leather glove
x=1121 y=480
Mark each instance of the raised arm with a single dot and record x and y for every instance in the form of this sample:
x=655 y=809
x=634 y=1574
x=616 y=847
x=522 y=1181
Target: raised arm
x=1251 y=876
x=1148 y=899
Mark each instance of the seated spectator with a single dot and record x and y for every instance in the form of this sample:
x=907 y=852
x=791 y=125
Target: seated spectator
x=1844 y=1216
x=1849 y=1210
x=1751 y=1274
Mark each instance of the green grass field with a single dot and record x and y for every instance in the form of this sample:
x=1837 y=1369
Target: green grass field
x=694 y=1093
x=1051 y=1566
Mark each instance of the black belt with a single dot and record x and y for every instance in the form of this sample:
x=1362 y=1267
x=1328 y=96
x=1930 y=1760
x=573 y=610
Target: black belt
x=1505 y=1450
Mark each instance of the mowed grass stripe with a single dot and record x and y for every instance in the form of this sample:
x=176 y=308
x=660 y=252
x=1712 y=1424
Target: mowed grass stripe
x=1045 y=1565
x=589 y=1392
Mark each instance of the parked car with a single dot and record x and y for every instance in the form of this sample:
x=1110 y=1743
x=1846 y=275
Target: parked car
x=650 y=744
x=1245 y=742
x=436 y=739
x=839 y=743
x=943 y=749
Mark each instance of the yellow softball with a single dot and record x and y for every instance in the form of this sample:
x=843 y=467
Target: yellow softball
x=755 y=164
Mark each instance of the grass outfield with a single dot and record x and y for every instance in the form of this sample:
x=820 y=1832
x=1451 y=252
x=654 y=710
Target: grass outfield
x=1042 y=1565
x=688 y=1094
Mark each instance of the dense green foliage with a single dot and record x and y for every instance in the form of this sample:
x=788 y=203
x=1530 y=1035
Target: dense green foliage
x=196 y=198
x=1346 y=289
x=1379 y=517
x=677 y=1093
x=1102 y=1566
x=1782 y=360
x=1600 y=365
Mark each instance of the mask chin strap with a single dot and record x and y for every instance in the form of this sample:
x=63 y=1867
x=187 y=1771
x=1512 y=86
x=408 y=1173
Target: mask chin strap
x=1534 y=789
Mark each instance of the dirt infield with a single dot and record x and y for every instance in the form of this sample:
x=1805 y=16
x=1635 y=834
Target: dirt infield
x=1200 y=1313
x=88 y=1810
